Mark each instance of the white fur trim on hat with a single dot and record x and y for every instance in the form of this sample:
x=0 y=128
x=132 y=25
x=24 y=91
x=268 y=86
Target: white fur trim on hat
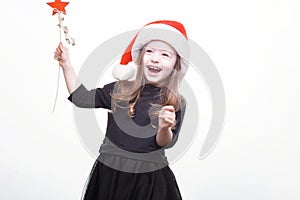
x=164 y=33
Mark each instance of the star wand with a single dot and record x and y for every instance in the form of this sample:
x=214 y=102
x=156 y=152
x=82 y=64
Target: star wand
x=59 y=9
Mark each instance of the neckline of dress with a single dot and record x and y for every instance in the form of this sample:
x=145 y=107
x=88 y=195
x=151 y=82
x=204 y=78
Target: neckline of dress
x=149 y=85
x=150 y=90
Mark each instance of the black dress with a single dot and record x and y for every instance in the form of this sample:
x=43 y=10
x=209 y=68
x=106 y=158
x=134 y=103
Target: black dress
x=131 y=165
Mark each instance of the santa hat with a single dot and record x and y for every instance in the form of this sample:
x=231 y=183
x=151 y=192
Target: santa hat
x=171 y=32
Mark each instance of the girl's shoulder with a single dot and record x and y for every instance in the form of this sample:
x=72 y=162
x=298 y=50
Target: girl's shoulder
x=110 y=85
x=116 y=86
x=122 y=82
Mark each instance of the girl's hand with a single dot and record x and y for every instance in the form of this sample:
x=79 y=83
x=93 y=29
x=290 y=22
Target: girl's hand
x=61 y=54
x=166 y=117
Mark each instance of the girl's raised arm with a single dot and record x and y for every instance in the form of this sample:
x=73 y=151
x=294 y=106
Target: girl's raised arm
x=62 y=56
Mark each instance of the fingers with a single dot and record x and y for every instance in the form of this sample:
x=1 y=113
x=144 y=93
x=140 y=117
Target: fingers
x=169 y=122
x=167 y=116
x=169 y=108
x=60 y=52
x=62 y=48
x=57 y=53
x=167 y=112
x=57 y=56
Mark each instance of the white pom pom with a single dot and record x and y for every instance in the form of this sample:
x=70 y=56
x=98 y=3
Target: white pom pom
x=125 y=72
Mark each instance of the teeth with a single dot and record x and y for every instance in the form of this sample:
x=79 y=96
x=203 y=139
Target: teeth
x=153 y=68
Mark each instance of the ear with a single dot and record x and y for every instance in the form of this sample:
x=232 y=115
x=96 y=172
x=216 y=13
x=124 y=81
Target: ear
x=125 y=72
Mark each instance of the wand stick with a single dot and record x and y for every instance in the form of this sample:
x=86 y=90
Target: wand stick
x=69 y=39
x=58 y=76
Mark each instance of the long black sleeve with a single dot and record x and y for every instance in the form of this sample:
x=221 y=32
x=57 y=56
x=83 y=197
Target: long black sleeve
x=95 y=98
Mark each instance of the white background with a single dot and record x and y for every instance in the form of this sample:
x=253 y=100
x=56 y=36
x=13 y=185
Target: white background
x=255 y=46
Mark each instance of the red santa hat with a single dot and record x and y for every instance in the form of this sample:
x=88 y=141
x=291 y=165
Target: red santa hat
x=171 y=32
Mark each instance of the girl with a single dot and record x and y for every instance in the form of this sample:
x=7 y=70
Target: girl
x=144 y=118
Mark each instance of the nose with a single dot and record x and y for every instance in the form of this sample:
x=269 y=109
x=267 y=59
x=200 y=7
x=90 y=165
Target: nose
x=155 y=57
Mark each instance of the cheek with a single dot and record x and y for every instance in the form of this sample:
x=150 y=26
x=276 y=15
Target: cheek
x=169 y=65
x=168 y=70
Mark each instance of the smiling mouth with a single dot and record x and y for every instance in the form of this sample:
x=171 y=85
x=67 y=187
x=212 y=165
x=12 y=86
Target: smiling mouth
x=154 y=69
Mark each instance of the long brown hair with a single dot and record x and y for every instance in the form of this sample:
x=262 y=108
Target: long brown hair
x=129 y=91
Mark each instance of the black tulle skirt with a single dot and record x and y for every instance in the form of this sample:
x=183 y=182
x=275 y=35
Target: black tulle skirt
x=106 y=183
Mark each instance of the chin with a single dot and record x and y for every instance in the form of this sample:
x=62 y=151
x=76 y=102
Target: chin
x=152 y=80
x=155 y=82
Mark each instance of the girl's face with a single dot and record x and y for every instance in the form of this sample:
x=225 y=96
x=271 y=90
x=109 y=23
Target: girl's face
x=158 y=61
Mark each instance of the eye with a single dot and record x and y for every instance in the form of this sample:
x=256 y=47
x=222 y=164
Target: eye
x=148 y=50
x=166 y=54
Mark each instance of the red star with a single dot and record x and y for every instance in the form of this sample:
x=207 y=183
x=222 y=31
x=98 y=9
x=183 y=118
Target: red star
x=59 y=6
